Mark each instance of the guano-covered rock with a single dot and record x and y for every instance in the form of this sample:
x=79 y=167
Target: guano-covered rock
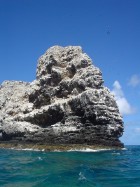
x=66 y=104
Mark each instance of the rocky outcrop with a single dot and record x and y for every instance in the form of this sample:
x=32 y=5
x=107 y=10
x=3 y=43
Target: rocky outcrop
x=66 y=104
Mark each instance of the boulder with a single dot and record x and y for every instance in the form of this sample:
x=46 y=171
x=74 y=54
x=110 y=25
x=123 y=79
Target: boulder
x=66 y=104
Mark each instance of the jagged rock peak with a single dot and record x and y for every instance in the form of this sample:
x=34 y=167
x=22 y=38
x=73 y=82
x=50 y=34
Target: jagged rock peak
x=67 y=103
x=62 y=57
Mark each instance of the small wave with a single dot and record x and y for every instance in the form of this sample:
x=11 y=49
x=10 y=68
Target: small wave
x=39 y=158
x=115 y=153
x=81 y=176
x=87 y=150
x=25 y=149
x=57 y=150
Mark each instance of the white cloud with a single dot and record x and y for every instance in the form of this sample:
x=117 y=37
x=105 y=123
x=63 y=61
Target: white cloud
x=134 y=81
x=124 y=106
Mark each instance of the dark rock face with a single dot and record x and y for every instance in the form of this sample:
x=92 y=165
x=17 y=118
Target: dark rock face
x=66 y=104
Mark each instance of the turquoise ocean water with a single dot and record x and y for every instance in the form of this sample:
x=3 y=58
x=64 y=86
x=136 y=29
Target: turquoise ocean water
x=70 y=169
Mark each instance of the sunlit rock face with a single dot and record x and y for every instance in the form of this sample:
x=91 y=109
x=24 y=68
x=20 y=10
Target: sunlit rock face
x=66 y=104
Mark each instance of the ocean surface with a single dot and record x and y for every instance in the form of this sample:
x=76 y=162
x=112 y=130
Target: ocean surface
x=22 y=168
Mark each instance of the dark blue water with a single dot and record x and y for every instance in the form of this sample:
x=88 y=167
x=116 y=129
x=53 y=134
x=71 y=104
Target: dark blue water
x=64 y=169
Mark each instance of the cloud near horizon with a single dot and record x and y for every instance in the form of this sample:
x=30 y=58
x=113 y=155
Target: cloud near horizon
x=124 y=107
x=134 y=81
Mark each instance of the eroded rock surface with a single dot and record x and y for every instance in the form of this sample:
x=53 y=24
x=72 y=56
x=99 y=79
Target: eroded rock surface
x=67 y=103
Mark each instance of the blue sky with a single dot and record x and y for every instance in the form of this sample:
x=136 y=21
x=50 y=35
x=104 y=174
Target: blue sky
x=107 y=30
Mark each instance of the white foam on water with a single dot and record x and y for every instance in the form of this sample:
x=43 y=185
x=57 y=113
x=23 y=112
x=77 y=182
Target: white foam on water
x=56 y=150
x=88 y=150
x=25 y=149
x=81 y=176
x=39 y=158
x=70 y=150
